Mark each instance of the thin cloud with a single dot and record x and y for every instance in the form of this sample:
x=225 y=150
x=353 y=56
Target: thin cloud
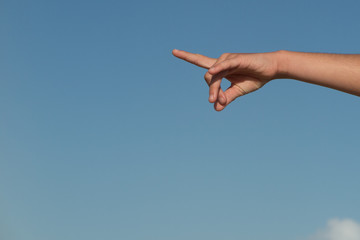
x=337 y=229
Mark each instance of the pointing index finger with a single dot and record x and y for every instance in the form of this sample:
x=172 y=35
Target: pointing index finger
x=194 y=58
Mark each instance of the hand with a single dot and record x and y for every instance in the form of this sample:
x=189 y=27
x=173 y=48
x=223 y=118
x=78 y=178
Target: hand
x=246 y=72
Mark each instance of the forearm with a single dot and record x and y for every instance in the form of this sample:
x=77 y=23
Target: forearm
x=337 y=71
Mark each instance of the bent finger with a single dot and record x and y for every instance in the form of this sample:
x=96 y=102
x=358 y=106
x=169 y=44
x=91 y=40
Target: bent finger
x=218 y=106
x=221 y=95
x=231 y=95
x=226 y=65
x=215 y=83
x=215 y=86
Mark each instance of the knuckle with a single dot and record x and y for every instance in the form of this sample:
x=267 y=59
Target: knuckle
x=207 y=77
x=226 y=54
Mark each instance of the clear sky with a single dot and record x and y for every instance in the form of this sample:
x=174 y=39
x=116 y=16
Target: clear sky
x=105 y=135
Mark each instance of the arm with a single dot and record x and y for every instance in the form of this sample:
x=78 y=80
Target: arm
x=249 y=72
x=337 y=71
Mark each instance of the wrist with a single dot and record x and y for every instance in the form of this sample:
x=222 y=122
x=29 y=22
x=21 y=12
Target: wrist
x=282 y=61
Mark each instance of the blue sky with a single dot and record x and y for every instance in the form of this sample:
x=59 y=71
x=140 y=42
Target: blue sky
x=105 y=135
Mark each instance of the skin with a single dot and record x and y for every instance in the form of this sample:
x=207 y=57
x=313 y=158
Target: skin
x=248 y=72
